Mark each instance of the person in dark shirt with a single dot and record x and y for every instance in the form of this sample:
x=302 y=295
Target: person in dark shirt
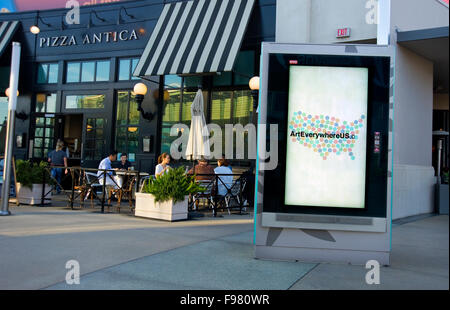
x=202 y=170
x=124 y=164
x=58 y=159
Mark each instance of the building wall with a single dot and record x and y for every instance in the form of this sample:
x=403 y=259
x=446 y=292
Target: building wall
x=413 y=126
x=413 y=172
x=413 y=109
x=329 y=15
x=307 y=21
x=418 y=14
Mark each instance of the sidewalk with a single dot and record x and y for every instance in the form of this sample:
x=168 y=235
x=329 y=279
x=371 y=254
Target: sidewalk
x=119 y=251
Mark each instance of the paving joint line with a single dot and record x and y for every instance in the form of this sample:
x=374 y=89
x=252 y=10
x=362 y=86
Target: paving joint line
x=301 y=278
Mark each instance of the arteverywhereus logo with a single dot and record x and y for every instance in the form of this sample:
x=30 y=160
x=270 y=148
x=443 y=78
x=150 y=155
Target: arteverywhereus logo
x=326 y=135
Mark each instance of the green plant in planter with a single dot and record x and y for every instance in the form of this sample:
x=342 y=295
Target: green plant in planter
x=28 y=173
x=174 y=184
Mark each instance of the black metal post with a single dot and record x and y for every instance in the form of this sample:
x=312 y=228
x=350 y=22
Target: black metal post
x=216 y=187
x=43 y=188
x=240 y=197
x=138 y=182
x=73 y=188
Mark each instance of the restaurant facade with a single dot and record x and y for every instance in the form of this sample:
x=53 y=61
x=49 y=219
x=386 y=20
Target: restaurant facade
x=76 y=80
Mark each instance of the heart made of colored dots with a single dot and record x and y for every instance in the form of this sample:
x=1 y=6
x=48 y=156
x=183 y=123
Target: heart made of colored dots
x=318 y=125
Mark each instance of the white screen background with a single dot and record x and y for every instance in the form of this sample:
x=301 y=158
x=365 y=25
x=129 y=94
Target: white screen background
x=337 y=181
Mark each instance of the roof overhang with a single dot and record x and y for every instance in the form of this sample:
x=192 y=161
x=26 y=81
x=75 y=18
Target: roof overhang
x=432 y=44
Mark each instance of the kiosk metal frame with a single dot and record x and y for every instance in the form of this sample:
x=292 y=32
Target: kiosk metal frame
x=321 y=237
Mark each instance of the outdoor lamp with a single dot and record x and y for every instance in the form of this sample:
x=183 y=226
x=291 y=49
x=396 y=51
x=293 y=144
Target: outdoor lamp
x=254 y=83
x=140 y=90
x=7 y=92
x=34 y=29
x=254 y=86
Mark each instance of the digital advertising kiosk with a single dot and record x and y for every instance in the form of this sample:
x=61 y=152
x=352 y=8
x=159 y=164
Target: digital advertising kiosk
x=329 y=197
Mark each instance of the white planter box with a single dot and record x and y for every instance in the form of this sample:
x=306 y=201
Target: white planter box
x=33 y=197
x=167 y=210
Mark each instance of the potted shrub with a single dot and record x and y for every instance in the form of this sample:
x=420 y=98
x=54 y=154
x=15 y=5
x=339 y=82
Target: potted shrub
x=166 y=197
x=29 y=182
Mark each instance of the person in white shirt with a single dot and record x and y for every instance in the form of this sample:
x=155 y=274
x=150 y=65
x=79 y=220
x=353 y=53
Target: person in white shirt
x=163 y=164
x=225 y=176
x=106 y=164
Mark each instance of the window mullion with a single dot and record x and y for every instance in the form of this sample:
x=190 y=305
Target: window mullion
x=95 y=71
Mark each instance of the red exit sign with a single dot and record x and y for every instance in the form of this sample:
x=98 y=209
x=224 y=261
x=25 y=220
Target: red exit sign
x=343 y=33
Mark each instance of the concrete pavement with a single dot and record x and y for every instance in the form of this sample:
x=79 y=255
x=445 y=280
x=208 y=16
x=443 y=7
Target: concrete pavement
x=119 y=251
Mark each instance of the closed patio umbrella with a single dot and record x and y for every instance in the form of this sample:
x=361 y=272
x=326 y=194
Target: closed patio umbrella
x=198 y=144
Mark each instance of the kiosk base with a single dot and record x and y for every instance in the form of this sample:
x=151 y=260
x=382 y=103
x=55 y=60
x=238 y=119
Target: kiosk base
x=321 y=255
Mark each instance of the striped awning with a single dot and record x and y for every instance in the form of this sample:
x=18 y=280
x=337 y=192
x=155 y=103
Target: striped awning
x=198 y=36
x=7 y=31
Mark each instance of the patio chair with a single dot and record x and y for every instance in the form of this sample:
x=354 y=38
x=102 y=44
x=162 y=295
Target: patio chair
x=207 y=195
x=93 y=186
x=125 y=191
x=234 y=194
x=81 y=187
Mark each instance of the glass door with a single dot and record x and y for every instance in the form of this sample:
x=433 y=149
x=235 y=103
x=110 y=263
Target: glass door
x=94 y=143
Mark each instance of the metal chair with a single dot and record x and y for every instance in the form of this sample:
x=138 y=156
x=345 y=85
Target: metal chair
x=235 y=193
x=125 y=191
x=207 y=195
x=93 y=186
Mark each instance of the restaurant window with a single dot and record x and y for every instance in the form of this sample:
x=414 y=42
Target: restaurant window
x=44 y=132
x=88 y=71
x=94 y=148
x=85 y=101
x=3 y=122
x=47 y=73
x=45 y=103
x=126 y=69
x=178 y=108
x=232 y=107
x=127 y=124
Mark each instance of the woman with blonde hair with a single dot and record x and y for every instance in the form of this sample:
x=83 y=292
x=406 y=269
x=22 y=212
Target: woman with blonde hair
x=163 y=164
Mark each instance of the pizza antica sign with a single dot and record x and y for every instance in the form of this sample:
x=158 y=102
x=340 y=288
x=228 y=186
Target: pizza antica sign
x=86 y=39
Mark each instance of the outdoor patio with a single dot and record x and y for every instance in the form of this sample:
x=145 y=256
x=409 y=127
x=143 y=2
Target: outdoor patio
x=120 y=251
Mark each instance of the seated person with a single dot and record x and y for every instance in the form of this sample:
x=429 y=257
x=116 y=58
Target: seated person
x=225 y=181
x=163 y=164
x=123 y=164
x=202 y=168
x=228 y=162
x=105 y=164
